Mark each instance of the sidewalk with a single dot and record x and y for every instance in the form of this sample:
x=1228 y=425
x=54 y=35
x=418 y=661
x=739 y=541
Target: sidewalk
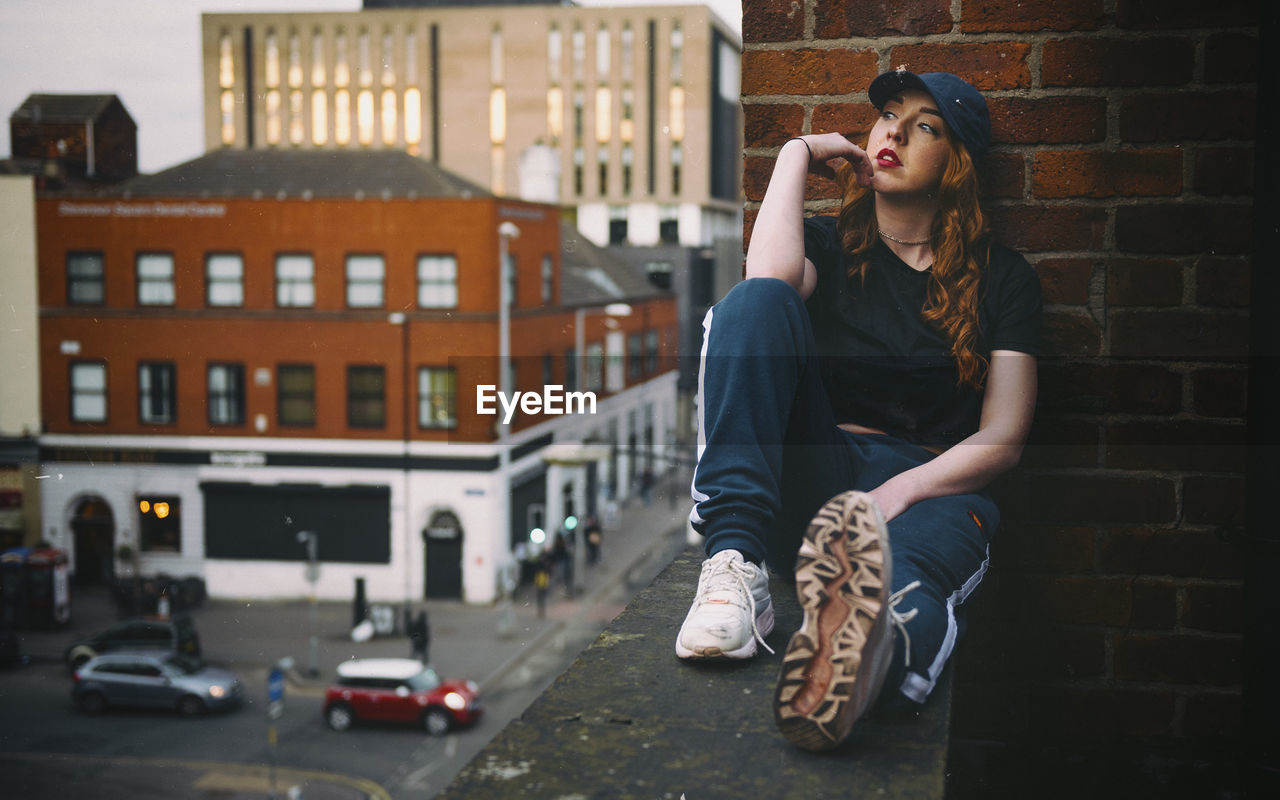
x=465 y=639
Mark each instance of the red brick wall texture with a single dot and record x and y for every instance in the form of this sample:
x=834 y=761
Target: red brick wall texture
x=1122 y=167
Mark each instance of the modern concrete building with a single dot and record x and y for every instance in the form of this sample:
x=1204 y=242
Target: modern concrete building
x=628 y=116
x=259 y=344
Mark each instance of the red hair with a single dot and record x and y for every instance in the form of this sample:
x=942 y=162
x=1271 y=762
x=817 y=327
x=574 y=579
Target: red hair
x=959 y=234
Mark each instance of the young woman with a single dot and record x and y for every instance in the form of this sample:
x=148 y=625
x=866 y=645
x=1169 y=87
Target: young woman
x=857 y=394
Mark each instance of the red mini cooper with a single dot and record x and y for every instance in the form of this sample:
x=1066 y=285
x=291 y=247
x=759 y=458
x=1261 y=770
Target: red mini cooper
x=399 y=690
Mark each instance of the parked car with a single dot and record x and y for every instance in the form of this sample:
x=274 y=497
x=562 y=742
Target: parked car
x=177 y=634
x=154 y=680
x=399 y=690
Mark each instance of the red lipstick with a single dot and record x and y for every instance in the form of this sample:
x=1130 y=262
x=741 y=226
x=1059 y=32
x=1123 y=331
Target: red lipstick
x=888 y=158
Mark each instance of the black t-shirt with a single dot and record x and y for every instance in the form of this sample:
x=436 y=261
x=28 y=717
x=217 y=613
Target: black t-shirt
x=886 y=368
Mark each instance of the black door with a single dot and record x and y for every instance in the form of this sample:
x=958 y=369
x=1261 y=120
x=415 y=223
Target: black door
x=93 y=531
x=443 y=552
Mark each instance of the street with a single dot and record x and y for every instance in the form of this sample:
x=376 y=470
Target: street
x=48 y=748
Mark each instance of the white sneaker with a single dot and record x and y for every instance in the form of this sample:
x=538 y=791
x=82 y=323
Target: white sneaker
x=731 y=612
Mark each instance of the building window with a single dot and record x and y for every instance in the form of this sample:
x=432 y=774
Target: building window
x=157 y=393
x=364 y=117
x=604 y=114
x=272 y=52
x=295 y=60
x=676 y=109
x=341 y=62
x=602 y=167
x=651 y=352
x=88 y=391
x=295 y=280
x=437 y=281
x=628 y=160
x=548 y=279
x=366 y=397
x=388 y=58
x=616 y=361
x=318 y=76
x=342 y=117
x=297 y=123
x=579 y=115
x=555 y=113
x=579 y=159
x=155 y=279
x=296 y=394
x=388 y=116
x=224 y=279
x=160 y=523
x=319 y=117
x=548 y=369
x=437 y=397
x=412 y=118
x=365 y=281
x=85 y=283
x=628 y=55
x=555 y=53
x=635 y=364
x=617 y=224
x=677 y=53
x=677 y=162
x=578 y=45
x=627 y=127
x=594 y=367
x=227 y=105
x=668 y=225
x=226 y=61
x=364 y=65
x=274 y=126
x=602 y=53
x=226 y=394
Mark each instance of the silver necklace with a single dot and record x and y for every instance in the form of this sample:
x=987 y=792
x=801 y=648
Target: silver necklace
x=901 y=241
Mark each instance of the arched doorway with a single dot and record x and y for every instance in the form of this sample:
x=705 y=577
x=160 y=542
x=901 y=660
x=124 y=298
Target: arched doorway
x=93 y=530
x=442 y=548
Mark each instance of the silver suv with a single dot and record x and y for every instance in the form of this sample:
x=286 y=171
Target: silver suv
x=154 y=680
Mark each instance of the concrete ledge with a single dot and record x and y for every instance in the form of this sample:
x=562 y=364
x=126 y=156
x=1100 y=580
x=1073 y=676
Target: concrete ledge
x=629 y=720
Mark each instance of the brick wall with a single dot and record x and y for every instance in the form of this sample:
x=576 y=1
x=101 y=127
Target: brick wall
x=1105 y=653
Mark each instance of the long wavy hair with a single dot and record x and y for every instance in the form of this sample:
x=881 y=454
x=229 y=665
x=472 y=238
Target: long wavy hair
x=959 y=236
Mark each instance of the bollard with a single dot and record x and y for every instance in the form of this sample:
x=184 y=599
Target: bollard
x=360 y=608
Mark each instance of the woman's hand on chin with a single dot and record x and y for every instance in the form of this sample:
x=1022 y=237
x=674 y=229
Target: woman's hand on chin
x=828 y=147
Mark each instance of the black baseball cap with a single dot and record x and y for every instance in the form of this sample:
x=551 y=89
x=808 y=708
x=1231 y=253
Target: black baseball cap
x=963 y=107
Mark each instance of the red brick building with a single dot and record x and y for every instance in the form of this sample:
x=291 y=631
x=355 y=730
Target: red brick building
x=265 y=343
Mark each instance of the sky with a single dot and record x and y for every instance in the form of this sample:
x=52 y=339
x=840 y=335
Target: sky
x=148 y=53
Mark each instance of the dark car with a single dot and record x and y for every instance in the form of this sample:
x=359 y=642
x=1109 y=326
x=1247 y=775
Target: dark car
x=399 y=690
x=154 y=680
x=177 y=634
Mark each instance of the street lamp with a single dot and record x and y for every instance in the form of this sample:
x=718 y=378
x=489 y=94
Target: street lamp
x=506 y=232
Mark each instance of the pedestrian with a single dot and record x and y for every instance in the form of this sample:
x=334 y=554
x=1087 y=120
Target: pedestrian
x=420 y=637
x=646 y=486
x=881 y=364
x=594 y=539
x=542 y=583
